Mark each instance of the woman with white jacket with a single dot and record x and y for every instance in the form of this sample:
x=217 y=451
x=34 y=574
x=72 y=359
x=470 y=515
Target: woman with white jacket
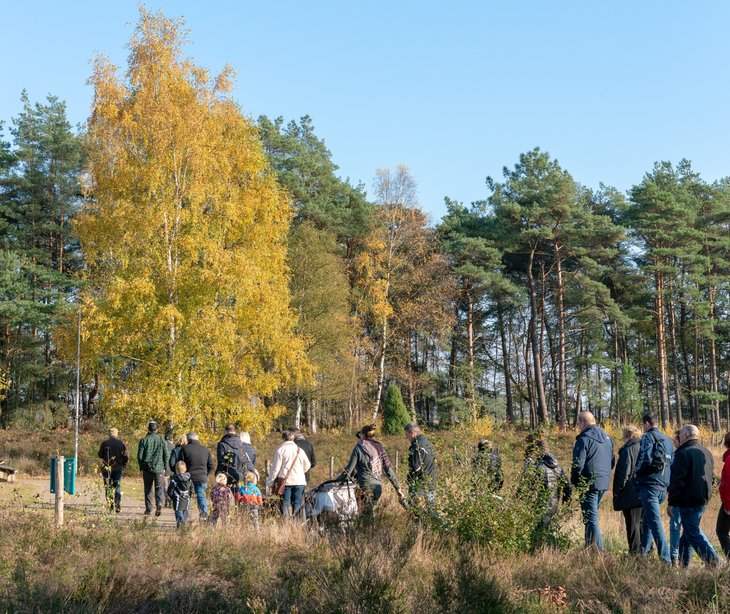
x=289 y=463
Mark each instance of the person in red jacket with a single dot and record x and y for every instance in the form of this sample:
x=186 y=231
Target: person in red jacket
x=722 y=529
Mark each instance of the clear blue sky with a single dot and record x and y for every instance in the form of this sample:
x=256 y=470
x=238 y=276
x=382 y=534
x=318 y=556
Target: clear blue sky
x=454 y=90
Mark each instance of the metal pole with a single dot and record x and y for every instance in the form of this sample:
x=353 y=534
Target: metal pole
x=78 y=393
x=59 y=490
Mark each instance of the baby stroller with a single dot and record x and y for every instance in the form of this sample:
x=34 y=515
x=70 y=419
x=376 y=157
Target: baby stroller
x=331 y=504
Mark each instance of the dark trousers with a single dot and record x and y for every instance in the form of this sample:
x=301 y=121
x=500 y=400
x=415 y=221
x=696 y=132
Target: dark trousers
x=158 y=480
x=113 y=488
x=722 y=529
x=633 y=519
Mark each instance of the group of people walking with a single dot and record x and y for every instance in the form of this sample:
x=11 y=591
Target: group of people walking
x=651 y=469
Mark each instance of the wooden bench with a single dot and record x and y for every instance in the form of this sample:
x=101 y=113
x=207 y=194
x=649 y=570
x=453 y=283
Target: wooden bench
x=7 y=473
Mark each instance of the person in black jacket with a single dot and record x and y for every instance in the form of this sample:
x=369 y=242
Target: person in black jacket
x=555 y=484
x=421 y=478
x=690 y=489
x=199 y=463
x=625 y=496
x=230 y=457
x=115 y=458
x=592 y=463
x=308 y=448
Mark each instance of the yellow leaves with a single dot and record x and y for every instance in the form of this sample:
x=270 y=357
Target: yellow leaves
x=185 y=237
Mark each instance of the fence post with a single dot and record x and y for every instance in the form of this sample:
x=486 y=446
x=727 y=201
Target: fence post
x=59 y=490
x=267 y=466
x=332 y=467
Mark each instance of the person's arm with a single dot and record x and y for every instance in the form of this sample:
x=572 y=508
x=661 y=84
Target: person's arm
x=623 y=473
x=579 y=461
x=678 y=478
x=125 y=455
x=313 y=459
x=275 y=467
x=348 y=471
x=725 y=486
x=643 y=462
x=211 y=464
x=101 y=453
x=140 y=453
x=165 y=453
x=388 y=469
x=304 y=460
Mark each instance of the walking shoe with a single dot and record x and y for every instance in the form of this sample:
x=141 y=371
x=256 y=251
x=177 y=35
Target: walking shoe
x=147 y=512
x=158 y=511
x=118 y=508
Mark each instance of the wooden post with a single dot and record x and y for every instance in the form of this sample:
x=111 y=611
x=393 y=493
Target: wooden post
x=397 y=462
x=267 y=467
x=332 y=467
x=59 y=490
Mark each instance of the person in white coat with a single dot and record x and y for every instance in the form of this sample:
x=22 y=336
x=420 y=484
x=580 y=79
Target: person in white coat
x=290 y=464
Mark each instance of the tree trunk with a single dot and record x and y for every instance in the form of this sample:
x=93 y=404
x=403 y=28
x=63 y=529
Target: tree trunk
x=381 y=368
x=661 y=345
x=677 y=384
x=470 y=351
x=542 y=412
x=562 y=389
x=505 y=364
x=714 y=388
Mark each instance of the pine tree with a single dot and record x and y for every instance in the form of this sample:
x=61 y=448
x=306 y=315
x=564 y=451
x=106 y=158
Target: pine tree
x=628 y=406
x=184 y=230
x=395 y=412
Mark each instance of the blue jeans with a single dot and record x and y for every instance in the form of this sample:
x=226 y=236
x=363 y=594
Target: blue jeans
x=200 y=488
x=693 y=536
x=291 y=501
x=677 y=549
x=113 y=481
x=652 y=528
x=181 y=516
x=589 y=503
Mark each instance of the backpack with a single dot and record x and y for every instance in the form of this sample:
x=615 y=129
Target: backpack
x=660 y=456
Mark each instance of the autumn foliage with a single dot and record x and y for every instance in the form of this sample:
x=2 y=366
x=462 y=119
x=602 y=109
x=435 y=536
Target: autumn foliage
x=184 y=231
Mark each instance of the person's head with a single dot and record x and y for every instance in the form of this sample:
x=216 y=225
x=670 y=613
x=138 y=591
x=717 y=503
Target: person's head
x=114 y=433
x=688 y=432
x=182 y=441
x=726 y=440
x=649 y=421
x=412 y=431
x=675 y=439
x=251 y=478
x=367 y=431
x=484 y=445
x=152 y=426
x=180 y=467
x=192 y=436
x=221 y=478
x=297 y=432
x=231 y=429
x=287 y=435
x=630 y=432
x=245 y=437
x=585 y=419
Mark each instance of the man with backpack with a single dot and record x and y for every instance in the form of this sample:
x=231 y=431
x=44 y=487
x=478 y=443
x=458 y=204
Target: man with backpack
x=421 y=478
x=230 y=457
x=651 y=478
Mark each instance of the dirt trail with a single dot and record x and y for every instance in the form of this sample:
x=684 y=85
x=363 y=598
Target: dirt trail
x=33 y=493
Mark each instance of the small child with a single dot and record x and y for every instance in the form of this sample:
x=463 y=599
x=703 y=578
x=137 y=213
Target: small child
x=250 y=496
x=180 y=491
x=222 y=498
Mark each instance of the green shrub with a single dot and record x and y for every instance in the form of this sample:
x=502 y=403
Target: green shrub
x=395 y=413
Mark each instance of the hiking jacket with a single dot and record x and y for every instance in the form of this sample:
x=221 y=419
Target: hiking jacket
x=592 y=458
x=421 y=465
x=555 y=481
x=114 y=454
x=360 y=467
x=249 y=495
x=725 y=481
x=289 y=455
x=230 y=456
x=691 y=481
x=308 y=448
x=222 y=497
x=199 y=461
x=153 y=453
x=180 y=490
x=175 y=455
x=625 y=493
x=648 y=476
x=248 y=453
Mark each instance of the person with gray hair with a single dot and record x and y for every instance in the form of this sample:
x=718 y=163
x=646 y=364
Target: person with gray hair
x=199 y=463
x=690 y=489
x=421 y=478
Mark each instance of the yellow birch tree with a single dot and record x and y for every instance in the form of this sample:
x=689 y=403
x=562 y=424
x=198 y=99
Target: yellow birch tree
x=184 y=230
